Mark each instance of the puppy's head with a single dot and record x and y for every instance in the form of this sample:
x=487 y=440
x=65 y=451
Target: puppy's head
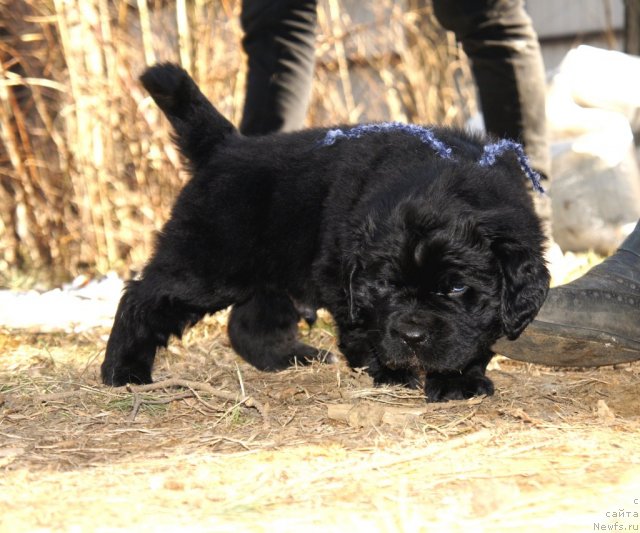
x=441 y=285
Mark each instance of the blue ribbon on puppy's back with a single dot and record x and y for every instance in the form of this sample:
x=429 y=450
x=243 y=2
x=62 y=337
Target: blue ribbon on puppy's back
x=491 y=152
x=494 y=150
x=426 y=135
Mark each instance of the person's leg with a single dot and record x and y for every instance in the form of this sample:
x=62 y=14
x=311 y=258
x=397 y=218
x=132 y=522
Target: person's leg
x=499 y=39
x=280 y=44
x=592 y=321
x=595 y=320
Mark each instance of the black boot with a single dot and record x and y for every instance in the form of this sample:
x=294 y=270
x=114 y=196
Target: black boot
x=592 y=321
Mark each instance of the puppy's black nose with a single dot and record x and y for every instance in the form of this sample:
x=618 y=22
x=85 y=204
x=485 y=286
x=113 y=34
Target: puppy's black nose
x=411 y=333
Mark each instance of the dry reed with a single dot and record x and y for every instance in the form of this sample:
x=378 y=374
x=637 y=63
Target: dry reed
x=86 y=170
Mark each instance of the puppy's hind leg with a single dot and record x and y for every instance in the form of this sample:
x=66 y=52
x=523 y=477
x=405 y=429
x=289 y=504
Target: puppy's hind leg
x=149 y=312
x=264 y=331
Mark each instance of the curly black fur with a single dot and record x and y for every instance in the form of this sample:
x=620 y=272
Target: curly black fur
x=423 y=261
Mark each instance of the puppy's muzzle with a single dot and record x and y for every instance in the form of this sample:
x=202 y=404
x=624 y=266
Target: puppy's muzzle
x=411 y=334
x=406 y=338
x=408 y=329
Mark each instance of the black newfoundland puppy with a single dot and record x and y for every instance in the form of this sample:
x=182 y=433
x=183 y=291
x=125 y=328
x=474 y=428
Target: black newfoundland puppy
x=421 y=242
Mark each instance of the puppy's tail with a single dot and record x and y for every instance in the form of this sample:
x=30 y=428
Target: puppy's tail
x=198 y=125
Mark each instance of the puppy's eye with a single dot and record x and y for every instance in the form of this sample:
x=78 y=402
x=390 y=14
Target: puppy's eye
x=457 y=290
x=453 y=291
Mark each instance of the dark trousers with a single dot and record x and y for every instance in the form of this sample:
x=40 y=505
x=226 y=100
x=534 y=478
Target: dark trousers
x=496 y=35
x=279 y=39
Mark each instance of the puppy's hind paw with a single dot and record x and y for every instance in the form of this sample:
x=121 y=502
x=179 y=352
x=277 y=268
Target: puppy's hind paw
x=322 y=356
x=117 y=376
x=326 y=357
x=445 y=387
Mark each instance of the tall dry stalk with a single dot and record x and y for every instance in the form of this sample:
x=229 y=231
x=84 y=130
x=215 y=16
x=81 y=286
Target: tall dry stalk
x=86 y=170
x=32 y=210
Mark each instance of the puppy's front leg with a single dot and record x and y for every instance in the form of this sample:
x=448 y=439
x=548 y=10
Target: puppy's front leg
x=444 y=386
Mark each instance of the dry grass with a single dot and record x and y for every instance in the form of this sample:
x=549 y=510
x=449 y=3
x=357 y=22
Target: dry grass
x=86 y=169
x=313 y=447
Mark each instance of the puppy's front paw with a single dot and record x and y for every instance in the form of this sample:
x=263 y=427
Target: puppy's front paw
x=408 y=378
x=444 y=387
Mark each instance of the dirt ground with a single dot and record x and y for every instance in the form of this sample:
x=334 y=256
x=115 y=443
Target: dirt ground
x=216 y=445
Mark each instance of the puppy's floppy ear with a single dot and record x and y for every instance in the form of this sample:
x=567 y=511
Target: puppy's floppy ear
x=525 y=282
